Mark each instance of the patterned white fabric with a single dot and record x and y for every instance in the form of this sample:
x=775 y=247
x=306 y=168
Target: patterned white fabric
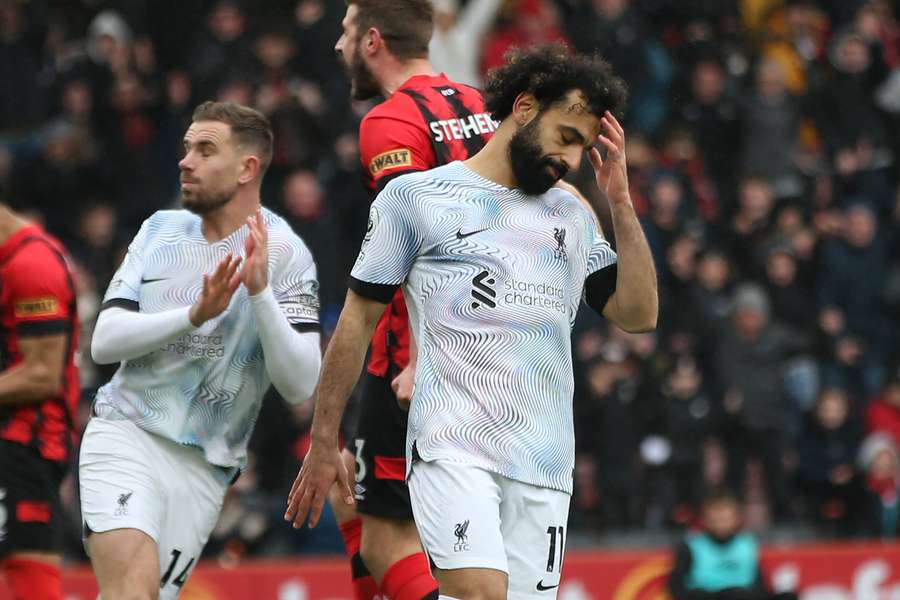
x=493 y=279
x=204 y=388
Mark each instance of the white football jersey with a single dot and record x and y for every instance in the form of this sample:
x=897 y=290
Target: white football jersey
x=204 y=388
x=493 y=279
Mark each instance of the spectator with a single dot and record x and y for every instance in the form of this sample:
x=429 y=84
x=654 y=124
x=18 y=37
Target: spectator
x=643 y=165
x=296 y=108
x=318 y=25
x=795 y=37
x=97 y=239
x=851 y=312
x=721 y=562
x=711 y=294
x=526 y=23
x=305 y=209
x=617 y=30
x=792 y=301
x=876 y=23
x=879 y=461
x=751 y=356
x=667 y=215
x=65 y=171
x=21 y=98
x=771 y=131
x=883 y=412
x=854 y=130
x=610 y=411
x=685 y=418
x=750 y=226
x=715 y=119
x=680 y=153
x=222 y=51
x=827 y=451
x=793 y=306
x=678 y=311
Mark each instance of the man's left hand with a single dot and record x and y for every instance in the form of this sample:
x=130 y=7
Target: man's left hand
x=612 y=173
x=255 y=274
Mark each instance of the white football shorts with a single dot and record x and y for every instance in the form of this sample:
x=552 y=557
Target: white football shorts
x=468 y=517
x=130 y=478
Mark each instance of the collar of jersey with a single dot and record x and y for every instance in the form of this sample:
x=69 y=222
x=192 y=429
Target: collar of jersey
x=492 y=184
x=417 y=78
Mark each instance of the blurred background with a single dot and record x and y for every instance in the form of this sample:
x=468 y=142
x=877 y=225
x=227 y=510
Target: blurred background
x=762 y=149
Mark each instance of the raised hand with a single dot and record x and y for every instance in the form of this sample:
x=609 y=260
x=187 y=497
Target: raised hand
x=611 y=174
x=322 y=466
x=255 y=274
x=218 y=288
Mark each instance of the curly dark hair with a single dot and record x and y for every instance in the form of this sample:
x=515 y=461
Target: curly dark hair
x=550 y=72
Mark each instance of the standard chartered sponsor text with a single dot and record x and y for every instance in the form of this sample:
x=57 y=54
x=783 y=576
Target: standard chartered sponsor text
x=535 y=294
x=197 y=345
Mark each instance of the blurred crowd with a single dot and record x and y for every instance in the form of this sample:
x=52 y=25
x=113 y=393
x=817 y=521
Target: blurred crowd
x=763 y=141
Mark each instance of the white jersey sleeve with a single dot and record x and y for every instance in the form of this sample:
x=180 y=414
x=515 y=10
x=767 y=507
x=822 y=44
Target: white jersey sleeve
x=394 y=237
x=126 y=283
x=294 y=283
x=601 y=254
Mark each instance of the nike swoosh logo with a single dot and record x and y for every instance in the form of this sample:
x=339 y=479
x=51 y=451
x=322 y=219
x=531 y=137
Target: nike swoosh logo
x=143 y=281
x=543 y=588
x=460 y=235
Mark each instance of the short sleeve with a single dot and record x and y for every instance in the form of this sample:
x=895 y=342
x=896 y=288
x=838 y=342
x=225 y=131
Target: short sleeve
x=602 y=270
x=391 y=147
x=393 y=239
x=125 y=288
x=601 y=254
x=296 y=287
x=39 y=289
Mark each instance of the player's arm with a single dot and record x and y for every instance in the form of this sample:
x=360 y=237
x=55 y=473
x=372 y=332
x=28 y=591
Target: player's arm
x=293 y=358
x=40 y=292
x=634 y=303
x=393 y=239
x=39 y=375
x=292 y=354
x=123 y=333
x=341 y=368
x=343 y=363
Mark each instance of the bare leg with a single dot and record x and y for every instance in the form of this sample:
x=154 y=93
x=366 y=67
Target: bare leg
x=472 y=584
x=126 y=564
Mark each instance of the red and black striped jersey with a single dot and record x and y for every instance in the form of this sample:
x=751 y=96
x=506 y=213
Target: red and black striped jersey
x=37 y=298
x=429 y=121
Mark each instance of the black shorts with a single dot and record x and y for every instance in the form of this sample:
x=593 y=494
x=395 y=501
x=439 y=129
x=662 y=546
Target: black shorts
x=380 y=450
x=30 y=509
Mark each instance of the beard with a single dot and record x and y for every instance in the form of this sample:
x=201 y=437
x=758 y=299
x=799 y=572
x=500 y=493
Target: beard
x=363 y=85
x=535 y=173
x=201 y=203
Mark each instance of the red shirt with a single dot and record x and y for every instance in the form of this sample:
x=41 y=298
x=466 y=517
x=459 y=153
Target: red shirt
x=881 y=416
x=428 y=122
x=37 y=298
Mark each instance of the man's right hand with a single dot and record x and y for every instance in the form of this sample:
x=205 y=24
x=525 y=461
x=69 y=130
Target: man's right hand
x=218 y=289
x=322 y=466
x=403 y=386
